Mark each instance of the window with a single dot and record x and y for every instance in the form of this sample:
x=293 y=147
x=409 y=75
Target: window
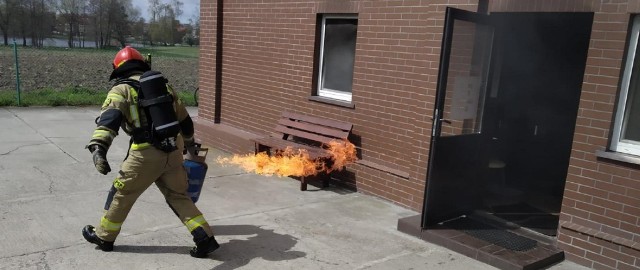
x=626 y=130
x=337 y=56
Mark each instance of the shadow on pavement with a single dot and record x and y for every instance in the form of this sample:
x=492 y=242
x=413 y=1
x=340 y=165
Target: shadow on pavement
x=260 y=243
x=256 y=243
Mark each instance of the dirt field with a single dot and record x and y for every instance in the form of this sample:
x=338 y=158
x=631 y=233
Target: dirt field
x=82 y=68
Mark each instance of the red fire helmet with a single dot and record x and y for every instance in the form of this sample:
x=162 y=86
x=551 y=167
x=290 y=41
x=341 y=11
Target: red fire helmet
x=126 y=54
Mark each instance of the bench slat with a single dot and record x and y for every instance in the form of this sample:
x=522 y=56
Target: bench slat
x=276 y=143
x=305 y=127
x=304 y=134
x=322 y=130
x=320 y=121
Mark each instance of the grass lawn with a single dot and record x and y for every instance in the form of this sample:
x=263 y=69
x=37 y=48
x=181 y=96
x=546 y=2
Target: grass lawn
x=50 y=83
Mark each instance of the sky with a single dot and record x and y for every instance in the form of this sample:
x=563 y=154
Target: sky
x=189 y=9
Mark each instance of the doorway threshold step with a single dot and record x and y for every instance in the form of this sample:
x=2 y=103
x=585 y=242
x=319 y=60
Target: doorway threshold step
x=474 y=245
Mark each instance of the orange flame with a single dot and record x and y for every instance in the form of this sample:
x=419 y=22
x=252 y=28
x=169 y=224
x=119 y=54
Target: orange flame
x=295 y=162
x=343 y=153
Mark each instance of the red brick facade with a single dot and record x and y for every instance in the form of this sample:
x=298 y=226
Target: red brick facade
x=268 y=62
x=268 y=67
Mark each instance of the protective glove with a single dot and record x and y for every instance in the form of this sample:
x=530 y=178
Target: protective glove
x=100 y=159
x=190 y=146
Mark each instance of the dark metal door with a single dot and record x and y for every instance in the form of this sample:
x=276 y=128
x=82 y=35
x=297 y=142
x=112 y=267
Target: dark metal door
x=456 y=157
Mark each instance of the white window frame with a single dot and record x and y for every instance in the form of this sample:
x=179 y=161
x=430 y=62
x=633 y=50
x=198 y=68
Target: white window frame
x=617 y=143
x=326 y=92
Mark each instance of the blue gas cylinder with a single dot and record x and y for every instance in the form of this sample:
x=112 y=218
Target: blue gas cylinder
x=196 y=171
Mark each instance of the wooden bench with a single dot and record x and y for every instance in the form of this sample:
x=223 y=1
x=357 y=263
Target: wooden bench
x=305 y=132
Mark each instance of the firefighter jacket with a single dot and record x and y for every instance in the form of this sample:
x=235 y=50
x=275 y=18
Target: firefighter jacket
x=121 y=110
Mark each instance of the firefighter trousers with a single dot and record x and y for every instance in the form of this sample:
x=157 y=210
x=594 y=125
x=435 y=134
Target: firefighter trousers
x=142 y=168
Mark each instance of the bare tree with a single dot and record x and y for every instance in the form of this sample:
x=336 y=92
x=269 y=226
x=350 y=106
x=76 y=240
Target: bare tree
x=196 y=26
x=158 y=27
x=154 y=9
x=7 y=12
x=112 y=20
x=22 y=20
x=97 y=11
x=177 y=8
x=37 y=21
x=155 y=6
x=70 y=11
x=127 y=15
x=138 y=29
x=165 y=16
x=34 y=21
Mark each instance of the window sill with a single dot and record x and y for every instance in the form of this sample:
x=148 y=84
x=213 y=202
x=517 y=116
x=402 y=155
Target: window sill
x=332 y=101
x=627 y=158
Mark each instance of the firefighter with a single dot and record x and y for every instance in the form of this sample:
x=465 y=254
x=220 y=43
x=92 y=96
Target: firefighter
x=147 y=161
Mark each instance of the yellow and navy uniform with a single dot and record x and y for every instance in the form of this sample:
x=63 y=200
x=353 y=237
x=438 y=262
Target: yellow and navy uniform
x=145 y=164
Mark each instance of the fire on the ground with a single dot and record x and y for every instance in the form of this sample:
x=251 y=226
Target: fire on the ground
x=295 y=162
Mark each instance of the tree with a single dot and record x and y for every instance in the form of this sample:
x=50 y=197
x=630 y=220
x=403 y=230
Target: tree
x=70 y=11
x=138 y=29
x=189 y=37
x=164 y=28
x=154 y=27
x=21 y=21
x=122 y=24
x=177 y=8
x=7 y=12
x=154 y=9
x=97 y=11
x=195 y=23
x=113 y=20
x=34 y=21
x=177 y=13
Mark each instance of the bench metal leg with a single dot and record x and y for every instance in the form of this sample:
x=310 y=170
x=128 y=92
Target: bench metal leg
x=262 y=148
x=303 y=184
x=325 y=181
x=326 y=177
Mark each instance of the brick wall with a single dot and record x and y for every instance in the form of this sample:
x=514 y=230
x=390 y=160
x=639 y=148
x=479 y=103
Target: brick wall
x=602 y=195
x=268 y=67
x=208 y=18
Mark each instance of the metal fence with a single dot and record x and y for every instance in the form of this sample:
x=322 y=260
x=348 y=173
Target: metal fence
x=56 y=68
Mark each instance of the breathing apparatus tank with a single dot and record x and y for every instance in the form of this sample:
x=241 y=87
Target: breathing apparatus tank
x=158 y=105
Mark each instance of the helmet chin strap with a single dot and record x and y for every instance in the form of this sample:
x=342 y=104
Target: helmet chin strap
x=128 y=68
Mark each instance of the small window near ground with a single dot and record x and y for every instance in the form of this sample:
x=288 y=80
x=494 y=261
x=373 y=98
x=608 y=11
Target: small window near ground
x=626 y=132
x=337 y=56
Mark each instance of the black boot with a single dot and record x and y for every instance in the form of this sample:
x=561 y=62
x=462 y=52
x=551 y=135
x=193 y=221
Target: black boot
x=204 y=247
x=89 y=233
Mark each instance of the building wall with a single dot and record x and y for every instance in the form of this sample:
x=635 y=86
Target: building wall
x=268 y=68
x=207 y=76
x=602 y=197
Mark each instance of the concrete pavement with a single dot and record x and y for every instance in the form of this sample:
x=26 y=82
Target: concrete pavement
x=49 y=190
